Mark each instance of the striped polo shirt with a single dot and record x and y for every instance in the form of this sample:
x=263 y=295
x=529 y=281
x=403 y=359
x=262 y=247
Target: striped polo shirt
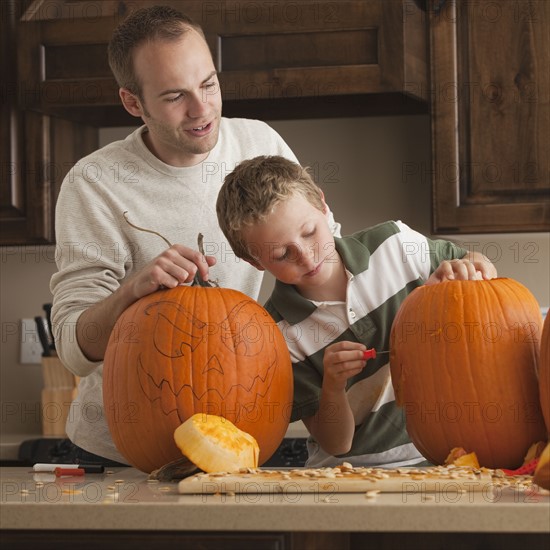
x=383 y=264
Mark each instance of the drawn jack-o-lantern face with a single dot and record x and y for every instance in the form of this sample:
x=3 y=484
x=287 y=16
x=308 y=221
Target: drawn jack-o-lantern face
x=188 y=350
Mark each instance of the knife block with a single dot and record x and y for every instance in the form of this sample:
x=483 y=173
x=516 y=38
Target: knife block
x=57 y=395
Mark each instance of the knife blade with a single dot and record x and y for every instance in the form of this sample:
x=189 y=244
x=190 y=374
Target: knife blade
x=372 y=353
x=48 y=309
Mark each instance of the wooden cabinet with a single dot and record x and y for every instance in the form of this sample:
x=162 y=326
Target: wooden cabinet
x=489 y=92
x=275 y=59
x=37 y=149
x=490 y=101
x=320 y=59
x=54 y=539
x=33 y=167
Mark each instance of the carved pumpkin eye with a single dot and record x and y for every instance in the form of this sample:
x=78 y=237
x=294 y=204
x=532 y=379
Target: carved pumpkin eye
x=186 y=330
x=245 y=338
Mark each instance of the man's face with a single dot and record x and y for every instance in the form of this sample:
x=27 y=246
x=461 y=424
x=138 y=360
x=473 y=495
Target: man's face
x=181 y=99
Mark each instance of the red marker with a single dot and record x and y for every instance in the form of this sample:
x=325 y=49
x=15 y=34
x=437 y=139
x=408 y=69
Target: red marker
x=69 y=472
x=88 y=468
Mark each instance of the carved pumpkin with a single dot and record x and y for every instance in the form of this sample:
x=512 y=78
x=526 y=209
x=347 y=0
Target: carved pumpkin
x=544 y=371
x=464 y=367
x=193 y=350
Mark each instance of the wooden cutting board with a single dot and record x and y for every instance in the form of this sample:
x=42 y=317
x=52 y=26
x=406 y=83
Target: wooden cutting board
x=346 y=479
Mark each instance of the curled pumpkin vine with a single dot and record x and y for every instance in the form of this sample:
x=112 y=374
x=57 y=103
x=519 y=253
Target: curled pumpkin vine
x=197 y=281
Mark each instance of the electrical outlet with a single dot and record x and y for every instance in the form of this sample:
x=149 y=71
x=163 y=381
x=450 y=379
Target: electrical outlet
x=31 y=348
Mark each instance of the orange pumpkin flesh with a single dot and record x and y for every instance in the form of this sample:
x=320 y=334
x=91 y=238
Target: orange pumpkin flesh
x=459 y=457
x=193 y=350
x=215 y=444
x=544 y=372
x=464 y=367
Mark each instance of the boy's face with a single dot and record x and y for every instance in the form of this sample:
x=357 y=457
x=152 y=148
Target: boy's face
x=295 y=244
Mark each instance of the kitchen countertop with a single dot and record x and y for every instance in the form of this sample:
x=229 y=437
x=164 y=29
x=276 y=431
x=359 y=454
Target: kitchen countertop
x=123 y=499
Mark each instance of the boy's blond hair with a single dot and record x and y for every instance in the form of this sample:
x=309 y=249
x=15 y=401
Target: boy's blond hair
x=253 y=189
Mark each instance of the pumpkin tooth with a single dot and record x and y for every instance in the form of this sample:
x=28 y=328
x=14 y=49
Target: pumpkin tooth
x=215 y=444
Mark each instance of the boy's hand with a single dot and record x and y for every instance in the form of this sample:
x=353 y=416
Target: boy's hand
x=341 y=361
x=473 y=266
x=451 y=270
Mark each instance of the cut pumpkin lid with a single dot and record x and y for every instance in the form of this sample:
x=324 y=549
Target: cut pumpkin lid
x=215 y=444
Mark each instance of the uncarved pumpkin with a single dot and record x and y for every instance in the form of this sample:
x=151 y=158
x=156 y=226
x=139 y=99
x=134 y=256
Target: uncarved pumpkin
x=464 y=367
x=192 y=350
x=544 y=371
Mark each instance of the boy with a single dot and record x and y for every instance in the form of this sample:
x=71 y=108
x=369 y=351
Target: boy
x=333 y=298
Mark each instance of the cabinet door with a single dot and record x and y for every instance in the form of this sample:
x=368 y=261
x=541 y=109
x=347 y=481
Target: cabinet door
x=37 y=150
x=317 y=48
x=25 y=214
x=490 y=88
x=33 y=168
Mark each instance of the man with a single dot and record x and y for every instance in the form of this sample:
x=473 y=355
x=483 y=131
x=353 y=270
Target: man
x=165 y=176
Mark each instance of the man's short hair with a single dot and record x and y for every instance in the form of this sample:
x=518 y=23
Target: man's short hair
x=155 y=23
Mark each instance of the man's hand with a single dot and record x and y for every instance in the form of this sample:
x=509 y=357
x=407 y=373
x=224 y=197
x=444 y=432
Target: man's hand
x=176 y=265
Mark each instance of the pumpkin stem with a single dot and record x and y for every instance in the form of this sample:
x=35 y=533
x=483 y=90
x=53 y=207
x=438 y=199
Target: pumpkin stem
x=125 y=214
x=200 y=243
x=197 y=281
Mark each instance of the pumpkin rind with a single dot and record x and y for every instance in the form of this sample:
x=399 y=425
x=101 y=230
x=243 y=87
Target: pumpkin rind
x=464 y=367
x=192 y=350
x=544 y=372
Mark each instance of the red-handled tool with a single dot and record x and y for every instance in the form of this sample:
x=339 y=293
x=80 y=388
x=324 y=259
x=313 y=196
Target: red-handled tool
x=69 y=472
x=372 y=353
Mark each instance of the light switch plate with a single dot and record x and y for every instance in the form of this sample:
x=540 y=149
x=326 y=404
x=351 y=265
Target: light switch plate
x=31 y=348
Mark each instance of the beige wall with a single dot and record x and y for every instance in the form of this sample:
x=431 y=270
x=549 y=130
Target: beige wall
x=371 y=169
x=375 y=169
